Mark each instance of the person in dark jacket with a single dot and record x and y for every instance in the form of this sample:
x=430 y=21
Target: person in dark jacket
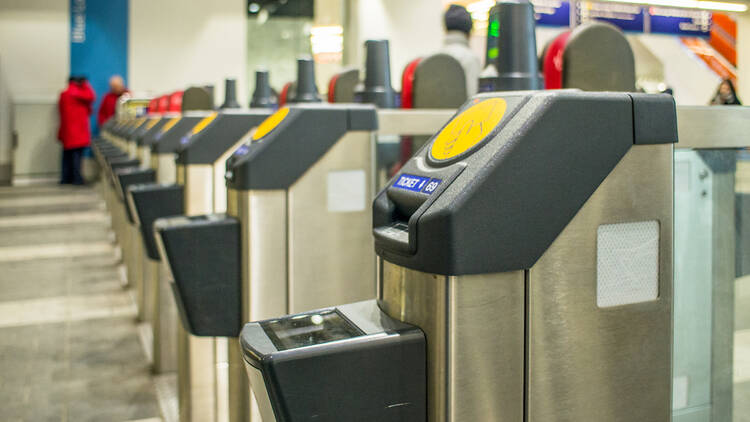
x=109 y=102
x=726 y=94
x=75 y=107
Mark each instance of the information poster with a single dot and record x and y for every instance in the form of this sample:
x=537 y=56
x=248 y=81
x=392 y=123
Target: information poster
x=627 y=17
x=696 y=23
x=552 y=12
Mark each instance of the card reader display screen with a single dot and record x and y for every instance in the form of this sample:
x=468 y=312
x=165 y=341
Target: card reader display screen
x=309 y=329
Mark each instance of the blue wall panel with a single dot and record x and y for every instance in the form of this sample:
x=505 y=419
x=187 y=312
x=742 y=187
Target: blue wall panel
x=99 y=43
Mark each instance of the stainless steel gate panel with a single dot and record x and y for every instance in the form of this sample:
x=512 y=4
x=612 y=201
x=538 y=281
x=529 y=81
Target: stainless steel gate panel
x=465 y=319
x=576 y=348
x=330 y=216
x=263 y=216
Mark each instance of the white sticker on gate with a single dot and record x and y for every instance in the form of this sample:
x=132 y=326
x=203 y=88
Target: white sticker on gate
x=347 y=191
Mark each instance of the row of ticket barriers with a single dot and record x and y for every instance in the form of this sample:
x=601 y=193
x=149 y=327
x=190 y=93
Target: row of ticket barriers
x=511 y=260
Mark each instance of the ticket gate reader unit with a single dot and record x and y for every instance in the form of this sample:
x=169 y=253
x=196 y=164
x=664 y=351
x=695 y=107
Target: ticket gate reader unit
x=300 y=190
x=201 y=361
x=134 y=255
x=135 y=137
x=531 y=242
x=149 y=202
x=162 y=143
x=351 y=162
x=161 y=200
x=165 y=144
x=384 y=380
x=144 y=140
x=124 y=178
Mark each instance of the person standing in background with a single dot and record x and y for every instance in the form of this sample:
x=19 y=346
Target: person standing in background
x=726 y=94
x=458 y=25
x=75 y=107
x=109 y=102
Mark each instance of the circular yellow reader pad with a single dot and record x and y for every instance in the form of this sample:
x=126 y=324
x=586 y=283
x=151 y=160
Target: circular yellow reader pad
x=468 y=128
x=270 y=123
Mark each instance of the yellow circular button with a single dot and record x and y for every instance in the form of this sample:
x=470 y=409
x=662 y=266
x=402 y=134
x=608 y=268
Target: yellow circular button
x=468 y=128
x=270 y=123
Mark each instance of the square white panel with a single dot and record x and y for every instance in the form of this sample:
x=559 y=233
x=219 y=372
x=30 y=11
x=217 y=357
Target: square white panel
x=347 y=191
x=627 y=263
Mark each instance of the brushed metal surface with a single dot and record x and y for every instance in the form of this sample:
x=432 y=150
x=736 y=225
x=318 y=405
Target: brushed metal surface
x=486 y=351
x=413 y=121
x=422 y=299
x=197 y=356
x=132 y=148
x=196 y=377
x=166 y=168
x=221 y=363
x=198 y=189
x=144 y=154
x=164 y=321
x=264 y=404
x=330 y=253
x=474 y=326
x=135 y=269
x=705 y=127
x=263 y=239
x=603 y=364
x=180 y=174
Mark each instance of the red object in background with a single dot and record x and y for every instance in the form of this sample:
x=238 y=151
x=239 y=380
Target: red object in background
x=284 y=96
x=175 y=102
x=107 y=108
x=163 y=104
x=406 y=144
x=332 y=88
x=552 y=67
x=153 y=105
x=407 y=84
x=75 y=107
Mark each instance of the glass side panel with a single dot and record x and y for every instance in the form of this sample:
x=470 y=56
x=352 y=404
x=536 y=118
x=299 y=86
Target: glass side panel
x=308 y=329
x=711 y=366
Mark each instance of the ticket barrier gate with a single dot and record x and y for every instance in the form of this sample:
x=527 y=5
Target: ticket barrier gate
x=525 y=273
x=594 y=56
x=164 y=198
x=288 y=213
x=158 y=308
x=200 y=181
x=315 y=166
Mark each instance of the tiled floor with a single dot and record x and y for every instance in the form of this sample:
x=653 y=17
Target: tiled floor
x=69 y=345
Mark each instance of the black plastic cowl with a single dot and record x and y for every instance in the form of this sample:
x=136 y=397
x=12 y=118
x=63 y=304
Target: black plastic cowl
x=376 y=88
x=305 y=90
x=512 y=51
x=262 y=96
x=230 y=94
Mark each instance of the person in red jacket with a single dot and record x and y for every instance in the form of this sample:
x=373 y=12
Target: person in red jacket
x=109 y=102
x=75 y=107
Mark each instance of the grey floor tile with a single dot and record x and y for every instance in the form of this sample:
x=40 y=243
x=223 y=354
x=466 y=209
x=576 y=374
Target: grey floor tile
x=92 y=369
x=53 y=234
x=49 y=209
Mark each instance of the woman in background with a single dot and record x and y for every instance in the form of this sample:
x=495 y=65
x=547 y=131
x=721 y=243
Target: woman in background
x=75 y=107
x=726 y=94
